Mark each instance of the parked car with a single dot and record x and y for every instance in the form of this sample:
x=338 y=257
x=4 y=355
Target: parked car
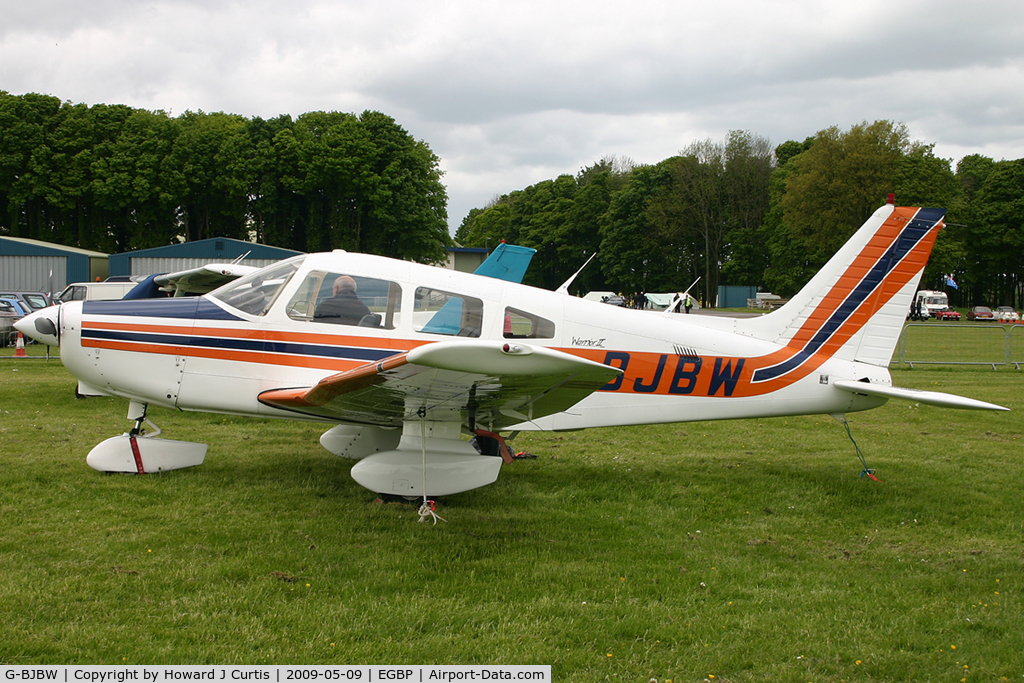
x=948 y=314
x=614 y=300
x=981 y=313
x=31 y=300
x=1006 y=314
x=10 y=311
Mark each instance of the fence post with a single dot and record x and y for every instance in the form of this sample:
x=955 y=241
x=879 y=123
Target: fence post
x=1009 y=346
x=1007 y=341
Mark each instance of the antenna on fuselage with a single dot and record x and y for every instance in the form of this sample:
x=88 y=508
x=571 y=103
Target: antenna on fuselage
x=564 y=288
x=679 y=298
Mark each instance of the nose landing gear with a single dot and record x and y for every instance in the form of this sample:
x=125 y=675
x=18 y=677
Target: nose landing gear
x=139 y=452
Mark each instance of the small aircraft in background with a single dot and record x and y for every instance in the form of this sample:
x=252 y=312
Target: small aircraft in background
x=403 y=360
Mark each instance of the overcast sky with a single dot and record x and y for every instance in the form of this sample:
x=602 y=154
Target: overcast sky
x=509 y=93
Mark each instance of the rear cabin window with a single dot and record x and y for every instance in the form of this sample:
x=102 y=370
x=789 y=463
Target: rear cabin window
x=439 y=312
x=343 y=299
x=522 y=325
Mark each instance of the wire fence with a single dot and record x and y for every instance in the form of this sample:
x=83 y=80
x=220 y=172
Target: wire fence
x=964 y=344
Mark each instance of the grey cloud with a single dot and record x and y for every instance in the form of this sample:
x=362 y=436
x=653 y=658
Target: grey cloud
x=517 y=92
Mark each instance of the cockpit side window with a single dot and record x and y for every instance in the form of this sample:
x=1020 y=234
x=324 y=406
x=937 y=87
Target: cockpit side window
x=522 y=325
x=439 y=312
x=255 y=293
x=343 y=299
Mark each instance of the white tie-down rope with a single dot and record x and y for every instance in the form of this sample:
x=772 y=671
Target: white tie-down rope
x=427 y=508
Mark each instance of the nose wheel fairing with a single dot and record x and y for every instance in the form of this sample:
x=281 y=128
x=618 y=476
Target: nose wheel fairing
x=136 y=452
x=139 y=454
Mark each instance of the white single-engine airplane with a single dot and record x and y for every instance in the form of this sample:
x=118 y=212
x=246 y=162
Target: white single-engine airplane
x=404 y=358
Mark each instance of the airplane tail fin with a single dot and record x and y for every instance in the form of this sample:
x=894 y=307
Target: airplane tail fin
x=854 y=308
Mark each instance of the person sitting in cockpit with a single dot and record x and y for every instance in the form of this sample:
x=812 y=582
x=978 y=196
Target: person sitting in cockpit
x=344 y=308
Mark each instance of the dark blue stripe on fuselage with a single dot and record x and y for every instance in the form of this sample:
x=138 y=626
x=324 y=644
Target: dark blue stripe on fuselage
x=187 y=307
x=262 y=346
x=908 y=238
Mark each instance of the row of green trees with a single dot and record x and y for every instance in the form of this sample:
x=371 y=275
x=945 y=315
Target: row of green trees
x=739 y=212
x=114 y=178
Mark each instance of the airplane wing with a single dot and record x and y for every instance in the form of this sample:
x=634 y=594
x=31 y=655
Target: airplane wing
x=496 y=383
x=935 y=398
x=202 y=279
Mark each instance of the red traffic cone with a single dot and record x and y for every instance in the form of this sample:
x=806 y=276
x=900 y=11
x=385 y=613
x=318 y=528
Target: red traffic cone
x=19 y=348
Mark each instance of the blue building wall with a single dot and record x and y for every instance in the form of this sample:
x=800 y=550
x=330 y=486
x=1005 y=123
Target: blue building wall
x=735 y=296
x=82 y=265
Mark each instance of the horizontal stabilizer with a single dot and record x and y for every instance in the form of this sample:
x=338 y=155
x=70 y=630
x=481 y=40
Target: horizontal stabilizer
x=934 y=398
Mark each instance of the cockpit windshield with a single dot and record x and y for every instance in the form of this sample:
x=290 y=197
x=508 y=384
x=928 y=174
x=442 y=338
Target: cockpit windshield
x=255 y=293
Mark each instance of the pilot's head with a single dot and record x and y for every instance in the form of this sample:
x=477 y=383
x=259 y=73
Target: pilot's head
x=344 y=283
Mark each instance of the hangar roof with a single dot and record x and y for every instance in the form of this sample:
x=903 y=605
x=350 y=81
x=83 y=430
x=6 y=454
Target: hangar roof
x=22 y=246
x=215 y=247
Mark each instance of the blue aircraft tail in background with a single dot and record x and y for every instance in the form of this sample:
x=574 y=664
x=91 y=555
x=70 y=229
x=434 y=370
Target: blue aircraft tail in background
x=507 y=262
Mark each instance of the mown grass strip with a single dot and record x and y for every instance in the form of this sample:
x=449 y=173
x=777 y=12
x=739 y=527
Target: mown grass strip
x=749 y=550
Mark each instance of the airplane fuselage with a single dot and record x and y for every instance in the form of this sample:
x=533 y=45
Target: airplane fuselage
x=205 y=354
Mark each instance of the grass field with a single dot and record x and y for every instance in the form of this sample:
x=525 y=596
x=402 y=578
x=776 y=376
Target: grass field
x=747 y=550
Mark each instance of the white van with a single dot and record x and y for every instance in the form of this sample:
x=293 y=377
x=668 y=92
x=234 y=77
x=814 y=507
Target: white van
x=928 y=303
x=95 y=291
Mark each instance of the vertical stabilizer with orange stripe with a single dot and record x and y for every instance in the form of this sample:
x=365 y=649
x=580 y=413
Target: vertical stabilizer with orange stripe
x=854 y=308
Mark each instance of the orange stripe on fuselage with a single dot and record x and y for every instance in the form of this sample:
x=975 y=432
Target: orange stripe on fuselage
x=259 y=334
x=243 y=356
x=289 y=360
